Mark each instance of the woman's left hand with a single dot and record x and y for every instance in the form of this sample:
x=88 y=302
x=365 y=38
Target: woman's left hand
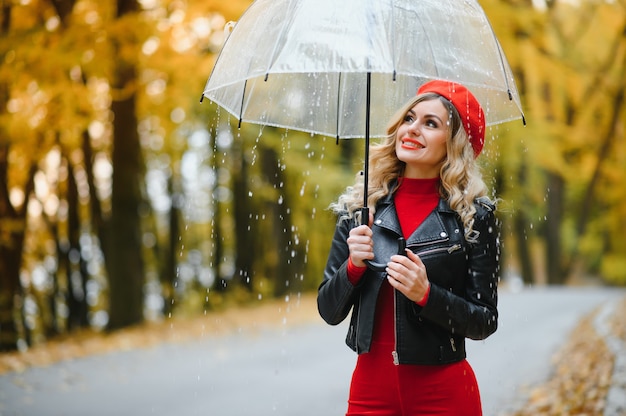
x=408 y=275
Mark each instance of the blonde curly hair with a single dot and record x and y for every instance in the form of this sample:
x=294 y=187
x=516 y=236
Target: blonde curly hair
x=461 y=179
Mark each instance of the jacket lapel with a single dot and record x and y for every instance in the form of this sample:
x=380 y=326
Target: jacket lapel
x=431 y=229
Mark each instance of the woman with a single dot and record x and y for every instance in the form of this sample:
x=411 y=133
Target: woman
x=409 y=322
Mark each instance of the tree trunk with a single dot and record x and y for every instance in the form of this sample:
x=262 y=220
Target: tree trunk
x=522 y=239
x=76 y=268
x=11 y=244
x=246 y=228
x=124 y=252
x=605 y=151
x=217 y=234
x=282 y=271
x=169 y=259
x=13 y=226
x=554 y=252
x=520 y=227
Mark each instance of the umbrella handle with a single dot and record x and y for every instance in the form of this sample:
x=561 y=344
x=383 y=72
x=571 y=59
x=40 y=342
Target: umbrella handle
x=372 y=265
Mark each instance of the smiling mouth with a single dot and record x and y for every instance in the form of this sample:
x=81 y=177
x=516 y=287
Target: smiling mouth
x=411 y=144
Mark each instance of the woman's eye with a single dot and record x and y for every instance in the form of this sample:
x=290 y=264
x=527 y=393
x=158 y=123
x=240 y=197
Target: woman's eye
x=431 y=123
x=408 y=118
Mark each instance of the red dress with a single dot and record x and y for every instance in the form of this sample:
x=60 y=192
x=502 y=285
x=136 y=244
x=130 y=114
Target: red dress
x=381 y=388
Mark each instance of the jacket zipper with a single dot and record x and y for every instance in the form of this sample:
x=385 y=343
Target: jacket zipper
x=356 y=329
x=429 y=243
x=450 y=250
x=394 y=353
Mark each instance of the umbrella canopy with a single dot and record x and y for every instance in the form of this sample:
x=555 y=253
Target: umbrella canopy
x=305 y=64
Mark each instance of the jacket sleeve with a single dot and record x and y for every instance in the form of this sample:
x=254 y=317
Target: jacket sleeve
x=336 y=293
x=475 y=314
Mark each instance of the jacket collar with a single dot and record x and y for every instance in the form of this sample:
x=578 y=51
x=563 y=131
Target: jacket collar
x=431 y=229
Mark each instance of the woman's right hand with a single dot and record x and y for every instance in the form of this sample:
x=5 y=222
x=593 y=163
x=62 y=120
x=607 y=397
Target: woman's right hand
x=360 y=244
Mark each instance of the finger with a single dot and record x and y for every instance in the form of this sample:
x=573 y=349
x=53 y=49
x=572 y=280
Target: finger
x=414 y=258
x=361 y=230
x=358 y=257
x=361 y=249
x=358 y=238
x=364 y=249
x=358 y=248
x=398 y=285
x=394 y=276
x=394 y=267
x=397 y=272
x=402 y=262
x=394 y=283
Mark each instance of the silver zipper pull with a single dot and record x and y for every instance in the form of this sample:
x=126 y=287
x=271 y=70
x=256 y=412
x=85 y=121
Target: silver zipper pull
x=454 y=248
x=394 y=354
x=452 y=344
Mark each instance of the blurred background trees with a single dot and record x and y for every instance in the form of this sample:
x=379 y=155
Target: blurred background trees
x=562 y=174
x=122 y=198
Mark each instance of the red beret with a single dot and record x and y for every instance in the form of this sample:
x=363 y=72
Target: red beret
x=472 y=116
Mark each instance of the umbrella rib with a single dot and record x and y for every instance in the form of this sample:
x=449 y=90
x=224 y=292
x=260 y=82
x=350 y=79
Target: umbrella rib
x=429 y=44
x=338 y=106
x=503 y=67
x=281 y=37
x=393 y=42
x=243 y=98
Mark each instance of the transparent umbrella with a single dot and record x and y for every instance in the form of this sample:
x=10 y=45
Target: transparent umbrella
x=342 y=68
x=302 y=64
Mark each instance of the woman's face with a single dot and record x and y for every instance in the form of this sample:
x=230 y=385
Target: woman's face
x=421 y=139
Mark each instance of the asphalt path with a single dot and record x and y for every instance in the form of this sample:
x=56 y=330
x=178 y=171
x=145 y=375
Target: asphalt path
x=300 y=370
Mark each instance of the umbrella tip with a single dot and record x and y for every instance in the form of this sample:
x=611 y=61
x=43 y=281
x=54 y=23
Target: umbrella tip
x=202 y=97
x=523 y=120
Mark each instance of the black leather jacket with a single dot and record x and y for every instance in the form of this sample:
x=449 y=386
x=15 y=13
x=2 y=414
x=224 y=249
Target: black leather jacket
x=463 y=296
